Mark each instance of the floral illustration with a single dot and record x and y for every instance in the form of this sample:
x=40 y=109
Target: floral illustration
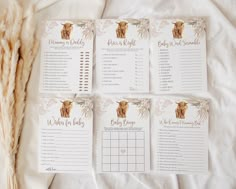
x=203 y=111
x=155 y=31
x=102 y=104
x=199 y=25
x=143 y=106
x=142 y=27
x=101 y=26
x=202 y=108
x=161 y=106
x=46 y=104
x=87 y=27
x=86 y=105
x=49 y=26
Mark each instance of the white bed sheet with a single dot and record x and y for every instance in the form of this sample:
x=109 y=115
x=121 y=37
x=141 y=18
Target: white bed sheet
x=221 y=65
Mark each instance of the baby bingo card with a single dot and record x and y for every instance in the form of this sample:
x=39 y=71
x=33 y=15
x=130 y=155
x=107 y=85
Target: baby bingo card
x=122 y=130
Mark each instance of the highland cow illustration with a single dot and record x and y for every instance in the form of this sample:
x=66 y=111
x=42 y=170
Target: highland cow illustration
x=181 y=109
x=66 y=108
x=66 y=30
x=121 y=29
x=122 y=109
x=177 y=31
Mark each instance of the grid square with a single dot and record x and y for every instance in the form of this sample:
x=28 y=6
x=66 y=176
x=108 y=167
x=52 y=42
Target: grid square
x=106 y=151
x=139 y=159
x=114 y=143
x=123 y=135
x=123 y=143
x=114 y=151
x=131 y=167
x=114 y=135
x=139 y=151
x=123 y=151
x=139 y=135
x=131 y=135
x=106 y=167
x=131 y=143
x=106 y=143
x=106 y=135
x=140 y=167
x=106 y=159
x=123 y=167
x=123 y=159
x=114 y=159
x=115 y=167
x=139 y=143
x=131 y=159
x=131 y=151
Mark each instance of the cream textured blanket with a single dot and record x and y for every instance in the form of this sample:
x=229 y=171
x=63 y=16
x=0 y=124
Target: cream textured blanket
x=221 y=65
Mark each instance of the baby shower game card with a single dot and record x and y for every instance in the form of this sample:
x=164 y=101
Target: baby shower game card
x=180 y=135
x=122 y=129
x=65 y=141
x=178 y=55
x=67 y=56
x=122 y=55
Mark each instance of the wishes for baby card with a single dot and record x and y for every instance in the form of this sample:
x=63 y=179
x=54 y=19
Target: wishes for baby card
x=65 y=135
x=122 y=131
x=122 y=55
x=178 y=55
x=180 y=135
x=67 y=56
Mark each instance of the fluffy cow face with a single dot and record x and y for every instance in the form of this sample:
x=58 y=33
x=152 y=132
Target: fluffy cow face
x=121 y=29
x=67 y=104
x=179 y=25
x=67 y=27
x=123 y=25
x=122 y=109
x=123 y=104
x=177 y=31
x=182 y=105
x=181 y=109
x=66 y=108
x=66 y=30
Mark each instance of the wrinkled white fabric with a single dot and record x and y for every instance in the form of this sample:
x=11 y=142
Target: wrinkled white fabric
x=221 y=65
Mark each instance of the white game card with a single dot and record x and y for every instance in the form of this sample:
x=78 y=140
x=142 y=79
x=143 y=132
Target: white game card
x=178 y=55
x=122 y=130
x=180 y=135
x=67 y=56
x=122 y=55
x=65 y=135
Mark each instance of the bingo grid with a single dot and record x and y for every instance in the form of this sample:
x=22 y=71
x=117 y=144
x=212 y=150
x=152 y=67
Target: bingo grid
x=123 y=151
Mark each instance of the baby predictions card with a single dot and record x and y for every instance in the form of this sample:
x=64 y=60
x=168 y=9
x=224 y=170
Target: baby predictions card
x=67 y=56
x=65 y=139
x=122 y=55
x=180 y=135
x=178 y=55
x=122 y=130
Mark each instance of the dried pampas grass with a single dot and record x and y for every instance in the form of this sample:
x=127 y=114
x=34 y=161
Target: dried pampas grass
x=18 y=47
